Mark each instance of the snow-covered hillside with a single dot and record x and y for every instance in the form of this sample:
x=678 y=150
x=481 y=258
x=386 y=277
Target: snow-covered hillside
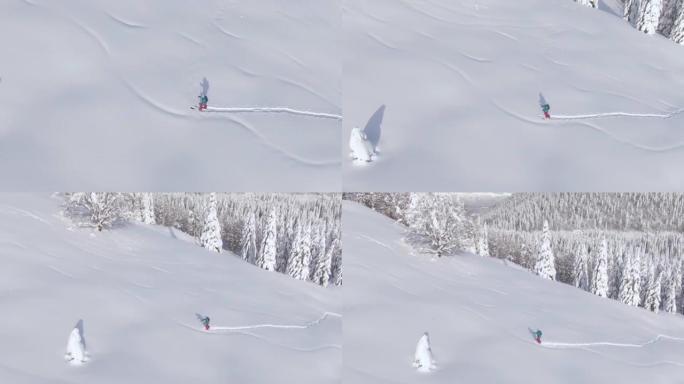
x=96 y=95
x=453 y=89
x=137 y=290
x=478 y=310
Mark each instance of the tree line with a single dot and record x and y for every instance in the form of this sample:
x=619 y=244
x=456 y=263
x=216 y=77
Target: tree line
x=295 y=234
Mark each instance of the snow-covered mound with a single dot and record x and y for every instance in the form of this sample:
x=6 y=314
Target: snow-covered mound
x=95 y=94
x=137 y=289
x=360 y=147
x=478 y=311
x=461 y=81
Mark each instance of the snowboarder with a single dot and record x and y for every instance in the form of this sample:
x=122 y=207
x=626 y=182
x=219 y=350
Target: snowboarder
x=204 y=320
x=203 y=102
x=545 y=108
x=537 y=335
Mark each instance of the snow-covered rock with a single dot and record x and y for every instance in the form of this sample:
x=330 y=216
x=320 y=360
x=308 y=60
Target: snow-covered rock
x=424 y=361
x=361 y=148
x=76 y=347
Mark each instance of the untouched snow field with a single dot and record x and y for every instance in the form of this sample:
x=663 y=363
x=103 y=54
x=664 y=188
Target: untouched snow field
x=460 y=82
x=478 y=310
x=137 y=289
x=96 y=95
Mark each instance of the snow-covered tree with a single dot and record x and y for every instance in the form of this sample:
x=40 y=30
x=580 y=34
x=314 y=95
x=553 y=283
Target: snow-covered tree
x=435 y=222
x=300 y=256
x=599 y=284
x=581 y=270
x=668 y=17
x=423 y=359
x=588 y=3
x=483 y=243
x=677 y=31
x=632 y=11
x=147 y=208
x=210 y=237
x=360 y=147
x=76 y=347
x=653 y=290
x=324 y=265
x=630 y=287
x=545 y=265
x=266 y=258
x=99 y=209
x=649 y=15
x=248 y=248
x=670 y=300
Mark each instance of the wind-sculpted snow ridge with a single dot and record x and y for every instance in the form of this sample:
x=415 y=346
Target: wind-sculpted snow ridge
x=275 y=110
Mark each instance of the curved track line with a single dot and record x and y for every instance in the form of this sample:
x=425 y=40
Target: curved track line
x=227 y=33
x=280 y=150
x=654 y=340
x=124 y=22
x=278 y=326
x=381 y=41
x=262 y=338
x=591 y=126
x=506 y=35
x=275 y=110
x=191 y=39
x=619 y=114
x=150 y=101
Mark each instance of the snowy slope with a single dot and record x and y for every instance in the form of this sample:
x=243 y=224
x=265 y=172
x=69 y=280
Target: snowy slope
x=478 y=311
x=95 y=95
x=460 y=82
x=137 y=290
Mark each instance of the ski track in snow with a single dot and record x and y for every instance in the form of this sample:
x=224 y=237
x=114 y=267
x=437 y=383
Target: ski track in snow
x=170 y=111
x=618 y=114
x=657 y=338
x=231 y=331
x=278 y=326
x=274 y=110
x=580 y=121
x=264 y=141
